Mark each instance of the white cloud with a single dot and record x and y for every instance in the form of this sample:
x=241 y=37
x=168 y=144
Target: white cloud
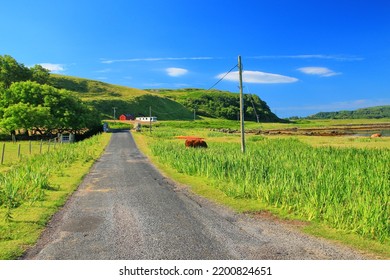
x=176 y=72
x=53 y=67
x=319 y=71
x=258 y=77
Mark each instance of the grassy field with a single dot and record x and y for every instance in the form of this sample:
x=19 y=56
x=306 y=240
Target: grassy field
x=304 y=123
x=33 y=189
x=15 y=152
x=340 y=185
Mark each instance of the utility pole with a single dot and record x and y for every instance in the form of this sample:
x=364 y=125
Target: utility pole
x=114 y=108
x=241 y=107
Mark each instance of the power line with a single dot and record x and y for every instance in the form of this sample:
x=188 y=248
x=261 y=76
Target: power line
x=182 y=109
x=223 y=77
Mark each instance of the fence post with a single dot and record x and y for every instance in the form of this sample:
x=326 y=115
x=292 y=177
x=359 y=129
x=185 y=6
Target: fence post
x=48 y=145
x=30 y=147
x=19 y=151
x=40 y=148
x=2 y=154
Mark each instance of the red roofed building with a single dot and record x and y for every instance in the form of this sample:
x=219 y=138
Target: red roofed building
x=126 y=117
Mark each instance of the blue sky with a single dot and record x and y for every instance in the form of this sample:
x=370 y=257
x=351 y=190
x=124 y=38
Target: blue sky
x=301 y=57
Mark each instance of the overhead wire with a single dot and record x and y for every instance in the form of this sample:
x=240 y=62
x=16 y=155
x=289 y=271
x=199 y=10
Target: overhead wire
x=223 y=77
x=181 y=109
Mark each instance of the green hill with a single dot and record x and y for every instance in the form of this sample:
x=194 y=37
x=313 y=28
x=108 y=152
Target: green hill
x=166 y=104
x=220 y=104
x=377 y=112
x=104 y=97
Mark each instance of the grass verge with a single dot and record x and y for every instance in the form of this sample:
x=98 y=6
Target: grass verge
x=29 y=219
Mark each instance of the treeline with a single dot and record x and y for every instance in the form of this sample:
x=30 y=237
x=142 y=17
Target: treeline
x=377 y=112
x=30 y=106
x=222 y=104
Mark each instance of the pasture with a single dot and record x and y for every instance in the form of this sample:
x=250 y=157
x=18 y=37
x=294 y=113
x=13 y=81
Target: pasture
x=12 y=153
x=340 y=183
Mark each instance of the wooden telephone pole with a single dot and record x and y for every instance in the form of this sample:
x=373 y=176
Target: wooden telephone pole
x=241 y=107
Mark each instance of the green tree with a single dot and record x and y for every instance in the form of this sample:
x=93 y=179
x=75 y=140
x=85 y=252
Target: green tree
x=39 y=74
x=24 y=116
x=45 y=109
x=11 y=71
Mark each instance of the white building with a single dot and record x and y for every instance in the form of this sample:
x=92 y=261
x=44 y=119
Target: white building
x=146 y=119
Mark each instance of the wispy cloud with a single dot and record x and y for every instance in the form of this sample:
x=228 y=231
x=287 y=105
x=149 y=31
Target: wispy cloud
x=310 y=56
x=258 y=77
x=56 y=68
x=106 y=61
x=176 y=72
x=318 y=71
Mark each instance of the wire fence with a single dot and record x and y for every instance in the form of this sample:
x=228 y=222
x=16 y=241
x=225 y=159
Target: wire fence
x=11 y=152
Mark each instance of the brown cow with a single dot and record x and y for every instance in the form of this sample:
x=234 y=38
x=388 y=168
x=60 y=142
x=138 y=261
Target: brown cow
x=196 y=143
x=376 y=135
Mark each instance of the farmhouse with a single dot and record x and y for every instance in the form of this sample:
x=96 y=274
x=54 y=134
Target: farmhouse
x=126 y=117
x=147 y=119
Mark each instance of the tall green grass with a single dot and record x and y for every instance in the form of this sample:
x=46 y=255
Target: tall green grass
x=347 y=189
x=26 y=183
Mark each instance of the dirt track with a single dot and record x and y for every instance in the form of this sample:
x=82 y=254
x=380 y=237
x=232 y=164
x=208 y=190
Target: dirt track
x=125 y=209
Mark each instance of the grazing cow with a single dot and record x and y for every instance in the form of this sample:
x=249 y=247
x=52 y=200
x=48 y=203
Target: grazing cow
x=376 y=135
x=196 y=143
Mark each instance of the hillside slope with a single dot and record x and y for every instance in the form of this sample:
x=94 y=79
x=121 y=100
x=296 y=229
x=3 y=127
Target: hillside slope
x=376 y=112
x=220 y=104
x=104 y=97
x=166 y=104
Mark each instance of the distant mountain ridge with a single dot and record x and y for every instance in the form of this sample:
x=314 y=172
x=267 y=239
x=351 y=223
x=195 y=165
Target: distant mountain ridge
x=377 y=112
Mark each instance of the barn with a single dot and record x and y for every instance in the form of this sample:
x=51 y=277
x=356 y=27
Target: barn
x=126 y=117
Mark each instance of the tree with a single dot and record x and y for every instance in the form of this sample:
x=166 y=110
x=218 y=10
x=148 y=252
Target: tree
x=45 y=109
x=39 y=74
x=24 y=116
x=11 y=71
x=26 y=92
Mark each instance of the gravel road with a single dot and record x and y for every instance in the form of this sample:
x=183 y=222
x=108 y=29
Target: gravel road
x=125 y=209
